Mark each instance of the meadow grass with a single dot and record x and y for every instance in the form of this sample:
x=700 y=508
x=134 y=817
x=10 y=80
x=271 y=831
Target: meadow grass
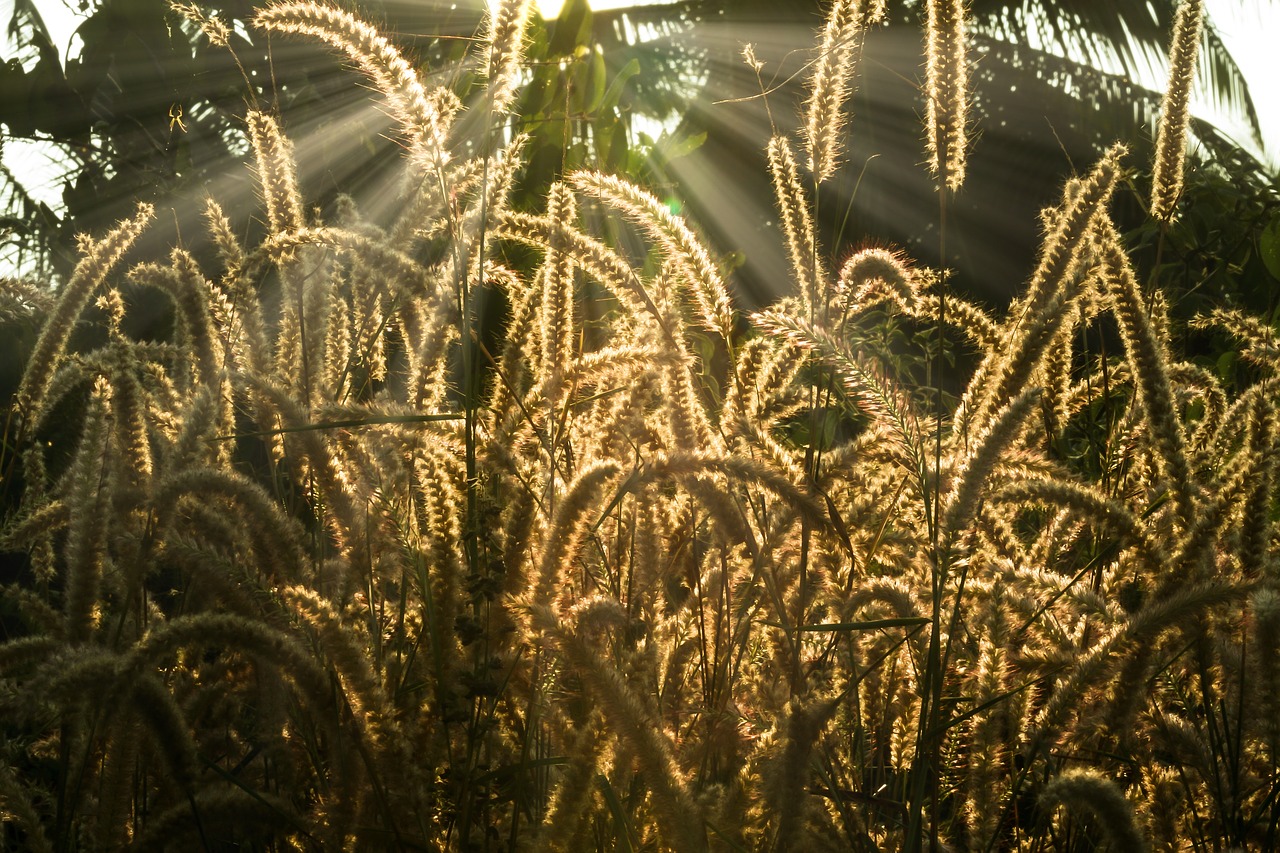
x=325 y=569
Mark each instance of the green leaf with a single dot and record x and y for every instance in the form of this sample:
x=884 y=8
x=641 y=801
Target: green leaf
x=620 y=80
x=596 y=77
x=1227 y=366
x=622 y=821
x=571 y=29
x=673 y=146
x=1269 y=247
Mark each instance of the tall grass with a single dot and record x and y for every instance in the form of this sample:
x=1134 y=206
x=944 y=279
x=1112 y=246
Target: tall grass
x=325 y=570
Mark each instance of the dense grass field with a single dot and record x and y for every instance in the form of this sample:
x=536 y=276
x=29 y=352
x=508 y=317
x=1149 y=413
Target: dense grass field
x=324 y=567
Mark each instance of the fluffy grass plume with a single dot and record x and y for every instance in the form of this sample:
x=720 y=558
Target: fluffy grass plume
x=424 y=117
x=341 y=558
x=504 y=43
x=1102 y=800
x=797 y=226
x=946 y=91
x=99 y=258
x=1175 y=110
x=831 y=83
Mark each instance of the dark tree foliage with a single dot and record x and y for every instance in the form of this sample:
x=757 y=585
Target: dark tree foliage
x=151 y=110
x=1037 y=117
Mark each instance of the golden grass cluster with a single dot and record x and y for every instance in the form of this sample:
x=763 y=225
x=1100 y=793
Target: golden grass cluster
x=326 y=570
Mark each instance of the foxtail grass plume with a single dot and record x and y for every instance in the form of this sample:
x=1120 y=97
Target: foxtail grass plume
x=699 y=273
x=156 y=705
x=797 y=227
x=89 y=498
x=274 y=155
x=1265 y=636
x=985 y=454
x=1102 y=800
x=876 y=269
x=588 y=751
x=269 y=645
x=831 y=85
x=99 y=258
x=946 y=91
x=214 y=28
x=675 y=810
x=1149 y=357
x=568 y=529
x=589 y=254
x=556 y=320
x=425 y=118
x=19 y=809
x=1261 y=343
x=230 y=252
x=504 y=44
x=1175 y=110
x=1055 y=286
x=871 y=391
x=1186 y=605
